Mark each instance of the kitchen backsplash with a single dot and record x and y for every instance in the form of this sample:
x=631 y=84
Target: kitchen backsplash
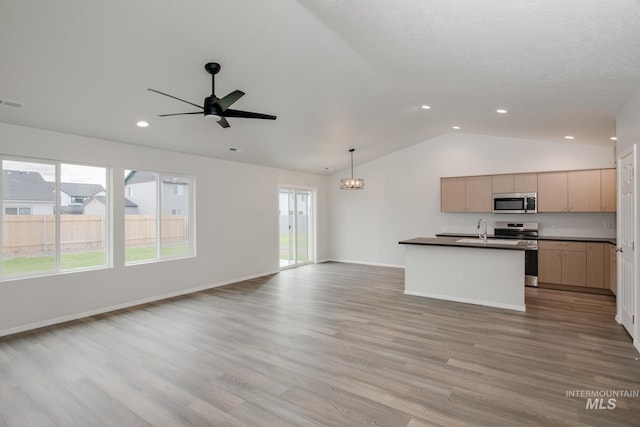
x=551 y=224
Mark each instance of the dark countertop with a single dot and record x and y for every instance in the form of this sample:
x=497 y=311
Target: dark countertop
x=557 y=238
x=453 y=241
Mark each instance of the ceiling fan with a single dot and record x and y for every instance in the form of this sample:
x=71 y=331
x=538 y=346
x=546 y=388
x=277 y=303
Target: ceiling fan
x=215 y=107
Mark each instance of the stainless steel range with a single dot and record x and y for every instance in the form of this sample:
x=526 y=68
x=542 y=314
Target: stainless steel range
x=528 y=233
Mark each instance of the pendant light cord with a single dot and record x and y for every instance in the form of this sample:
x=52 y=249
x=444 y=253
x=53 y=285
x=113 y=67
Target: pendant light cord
x=351 y=151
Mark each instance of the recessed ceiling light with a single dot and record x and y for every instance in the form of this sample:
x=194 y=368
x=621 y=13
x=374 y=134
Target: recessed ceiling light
x=142 y=124
x=569 y=137
x=456 y=127
x=501 y=111
x=614 y=138
x=426 y=107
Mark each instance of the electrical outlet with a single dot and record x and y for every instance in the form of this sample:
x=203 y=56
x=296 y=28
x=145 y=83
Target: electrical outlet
x=606 y=224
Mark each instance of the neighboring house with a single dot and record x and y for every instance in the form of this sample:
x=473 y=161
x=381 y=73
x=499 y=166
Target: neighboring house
x=96 y=205
x=26 y=193
x=74 y=195
x=141 y=187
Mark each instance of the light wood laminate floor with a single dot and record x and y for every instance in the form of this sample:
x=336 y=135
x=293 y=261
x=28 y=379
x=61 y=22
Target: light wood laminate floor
x=324 y=345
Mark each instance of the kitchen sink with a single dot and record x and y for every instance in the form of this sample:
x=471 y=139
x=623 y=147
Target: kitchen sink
x=489 y=241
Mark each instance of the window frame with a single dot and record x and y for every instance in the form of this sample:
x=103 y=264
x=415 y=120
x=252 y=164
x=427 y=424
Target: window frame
x=191 y=224
x=57 y=204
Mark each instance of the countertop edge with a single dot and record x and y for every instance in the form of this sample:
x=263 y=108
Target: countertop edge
x=559 y=238
x=451 y=241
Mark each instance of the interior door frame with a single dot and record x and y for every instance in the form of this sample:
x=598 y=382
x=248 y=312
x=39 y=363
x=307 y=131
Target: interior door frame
x=312 y=229
x=633 y=152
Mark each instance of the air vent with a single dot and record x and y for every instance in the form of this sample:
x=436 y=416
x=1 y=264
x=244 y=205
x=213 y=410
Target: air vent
x=9 y=103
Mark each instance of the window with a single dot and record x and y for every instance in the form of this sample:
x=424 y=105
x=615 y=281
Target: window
x=296 y=227
x=76 y=200
x=17 y=211
x=46 y=237
x=159 y=227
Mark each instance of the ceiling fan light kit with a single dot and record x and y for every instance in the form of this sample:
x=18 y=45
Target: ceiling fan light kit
x=217 y=108
x=352 y=183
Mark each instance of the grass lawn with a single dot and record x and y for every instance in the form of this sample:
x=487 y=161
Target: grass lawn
x=21 y=265
x=303 y=255
x=45 y=263
x=144 y=254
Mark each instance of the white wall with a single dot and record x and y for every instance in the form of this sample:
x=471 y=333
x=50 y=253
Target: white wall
x=628 y=124
x=237 y=229
x=628 y=133
x=401 y=198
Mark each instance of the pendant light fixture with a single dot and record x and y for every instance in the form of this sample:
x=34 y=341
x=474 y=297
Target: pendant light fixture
x=352 y=183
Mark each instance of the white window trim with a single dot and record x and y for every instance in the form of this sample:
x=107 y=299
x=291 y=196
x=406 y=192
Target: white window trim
x=57 y=164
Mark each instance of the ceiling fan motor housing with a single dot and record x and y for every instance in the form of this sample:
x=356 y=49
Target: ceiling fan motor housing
x=211 y=108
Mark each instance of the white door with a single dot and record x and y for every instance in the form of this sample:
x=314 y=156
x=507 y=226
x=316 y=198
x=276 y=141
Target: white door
x=626 y=242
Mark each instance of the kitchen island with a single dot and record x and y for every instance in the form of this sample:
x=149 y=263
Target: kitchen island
x=466 y=270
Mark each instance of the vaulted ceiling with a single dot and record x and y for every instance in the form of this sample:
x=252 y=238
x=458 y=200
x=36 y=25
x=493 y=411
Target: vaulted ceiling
x=338 y=74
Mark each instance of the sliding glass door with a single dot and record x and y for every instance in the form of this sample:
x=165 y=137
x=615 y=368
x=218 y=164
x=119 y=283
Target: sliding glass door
x=296 y=227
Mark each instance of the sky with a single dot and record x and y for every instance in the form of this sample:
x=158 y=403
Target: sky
x=68 y=173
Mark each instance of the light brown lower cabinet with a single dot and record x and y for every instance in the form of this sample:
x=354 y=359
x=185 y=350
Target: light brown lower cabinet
x=574 y=268
x=549 y=265
x=572 y=263
x=611 y=268
x=596 y=261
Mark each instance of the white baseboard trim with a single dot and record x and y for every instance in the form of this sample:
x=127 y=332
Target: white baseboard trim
x=467 y=300
x=102 y=310
x=375 y=264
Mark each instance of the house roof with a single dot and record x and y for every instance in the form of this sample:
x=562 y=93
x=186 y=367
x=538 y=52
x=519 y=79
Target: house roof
x=137 y=177
x=27 y=186
x=102 y=199
x=80 y=189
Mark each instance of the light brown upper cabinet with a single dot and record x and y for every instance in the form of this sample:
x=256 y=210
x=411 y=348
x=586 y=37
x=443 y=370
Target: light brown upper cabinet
x=584 y=191
x=608 y=185
x=453 y=194
x=552 y=192
x=591 y=190
x=465 y=194
x=515 y=183
x=478 y=197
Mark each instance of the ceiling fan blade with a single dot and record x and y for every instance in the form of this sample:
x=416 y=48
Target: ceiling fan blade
x=175 y=97
x=226 y=101
x=178 y=114
x=247 y=114
x=223 y=122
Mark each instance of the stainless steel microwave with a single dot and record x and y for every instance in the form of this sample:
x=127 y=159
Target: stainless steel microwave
x=515 y=203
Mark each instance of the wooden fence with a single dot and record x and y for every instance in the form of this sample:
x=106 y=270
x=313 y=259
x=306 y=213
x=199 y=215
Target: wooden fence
x=34 y=235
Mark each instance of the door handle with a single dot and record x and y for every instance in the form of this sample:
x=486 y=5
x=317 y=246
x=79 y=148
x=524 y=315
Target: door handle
x=619 y=250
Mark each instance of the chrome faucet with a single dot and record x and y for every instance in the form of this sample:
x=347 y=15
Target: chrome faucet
x=482 y=235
